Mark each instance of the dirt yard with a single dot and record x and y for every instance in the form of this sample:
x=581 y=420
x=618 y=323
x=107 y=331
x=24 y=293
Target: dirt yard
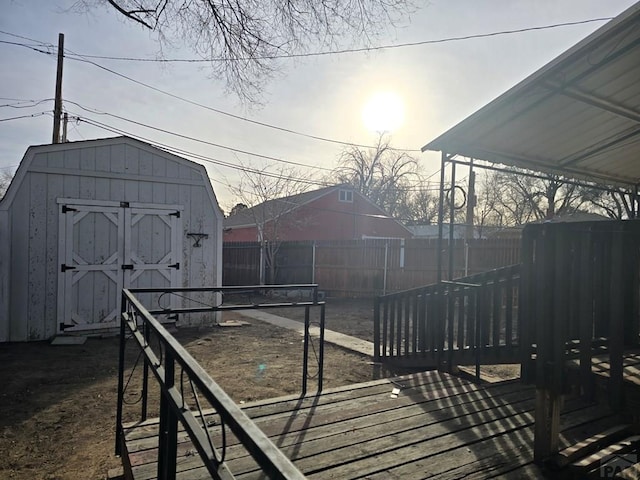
x=59 y=402
x=351 y=316
x=58 y=409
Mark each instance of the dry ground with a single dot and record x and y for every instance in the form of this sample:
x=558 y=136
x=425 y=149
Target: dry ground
x=59 y=402
x=351 y=316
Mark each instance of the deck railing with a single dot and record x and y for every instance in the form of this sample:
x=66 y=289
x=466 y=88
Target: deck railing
x=579 y=299
x=184 y=386
x=471 y=320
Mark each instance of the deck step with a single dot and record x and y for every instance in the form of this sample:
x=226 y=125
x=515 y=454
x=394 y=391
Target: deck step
x=632 y=472
x=590 y=445
x=591 y=465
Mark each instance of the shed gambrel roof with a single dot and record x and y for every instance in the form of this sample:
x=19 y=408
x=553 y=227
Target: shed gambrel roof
x=34 y=150
x=579 y=116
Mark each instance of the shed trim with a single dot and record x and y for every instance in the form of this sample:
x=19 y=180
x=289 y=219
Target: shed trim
x=117 y=176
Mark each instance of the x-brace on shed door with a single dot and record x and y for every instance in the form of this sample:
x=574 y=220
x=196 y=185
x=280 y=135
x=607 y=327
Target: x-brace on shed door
x=108 y=246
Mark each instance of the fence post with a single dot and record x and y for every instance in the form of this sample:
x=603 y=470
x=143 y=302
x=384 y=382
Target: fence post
x=384 y=280
x=313 y=262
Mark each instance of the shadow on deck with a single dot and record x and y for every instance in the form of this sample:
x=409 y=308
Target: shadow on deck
x=438 y=426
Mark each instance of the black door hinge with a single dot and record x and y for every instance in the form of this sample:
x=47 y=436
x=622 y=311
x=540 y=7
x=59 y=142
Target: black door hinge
x=124 y=204
x=66 y=209
x=175 y=214
x=64 y=326
x=175 y=265
x=64 y=267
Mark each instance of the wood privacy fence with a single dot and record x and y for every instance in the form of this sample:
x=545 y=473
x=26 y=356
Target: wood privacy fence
x=366 y=267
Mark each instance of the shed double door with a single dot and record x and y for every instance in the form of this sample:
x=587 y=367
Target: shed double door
x=105 y=247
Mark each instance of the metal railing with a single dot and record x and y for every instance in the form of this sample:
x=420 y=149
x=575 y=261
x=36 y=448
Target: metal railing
x=470 y=320
x=171 y=366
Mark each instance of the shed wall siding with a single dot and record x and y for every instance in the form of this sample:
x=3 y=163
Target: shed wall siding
x=117 y=172
x=5 y=255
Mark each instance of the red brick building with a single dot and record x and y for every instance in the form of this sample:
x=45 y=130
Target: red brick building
x=332 y=213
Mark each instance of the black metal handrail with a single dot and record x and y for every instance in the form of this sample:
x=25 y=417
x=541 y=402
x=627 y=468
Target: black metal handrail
x=454 y=322
x=163 y=360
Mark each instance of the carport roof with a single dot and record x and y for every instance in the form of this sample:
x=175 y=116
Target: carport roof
x=579 y=116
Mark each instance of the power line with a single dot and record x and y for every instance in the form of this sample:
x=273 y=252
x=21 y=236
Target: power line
x=187 y=137
x=21 y=100
x=20 y=103
x=83 y=58
x=187 y=153
x=351 y=50
x=232 y=115
x=206 y=142
x=78 y=58
x=213 y=160
x=30 y=47
x=38 y=42
x=26 y=116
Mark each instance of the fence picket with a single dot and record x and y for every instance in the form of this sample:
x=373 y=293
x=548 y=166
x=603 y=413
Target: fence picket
x=358 y=267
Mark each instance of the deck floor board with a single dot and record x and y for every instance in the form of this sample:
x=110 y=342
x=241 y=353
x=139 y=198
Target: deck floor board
x=439 y=426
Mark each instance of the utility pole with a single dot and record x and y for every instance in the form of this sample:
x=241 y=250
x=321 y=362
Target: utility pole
x=65 y=122
x=57 y=104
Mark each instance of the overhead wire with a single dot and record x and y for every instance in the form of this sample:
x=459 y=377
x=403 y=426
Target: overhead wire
x=223 y=163
x=33 y=115
x=19 y=103
x=84 y=58
x=216 y=161
x=233 y=115
x=351 y=50
x=198 y=140
x=187 y=153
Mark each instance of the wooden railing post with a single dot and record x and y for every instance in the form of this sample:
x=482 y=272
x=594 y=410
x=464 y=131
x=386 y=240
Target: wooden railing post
x=616 y=318
x=547 y=424
x=547 y=411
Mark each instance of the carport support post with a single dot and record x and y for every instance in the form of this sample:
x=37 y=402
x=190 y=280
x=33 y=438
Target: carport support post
x=452 y=218
x=443 y=163
x=439 y=310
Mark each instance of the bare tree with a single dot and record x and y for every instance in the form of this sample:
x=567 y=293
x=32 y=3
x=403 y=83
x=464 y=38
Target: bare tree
x=390 y=178
x=422 y=206
x=509 y=199
x=5 y=179
x=615 y=204
x=242 y=39
x=266 y=195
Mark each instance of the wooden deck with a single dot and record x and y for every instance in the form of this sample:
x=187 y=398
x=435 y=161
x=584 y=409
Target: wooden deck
x=439 y=426
x=601 y=375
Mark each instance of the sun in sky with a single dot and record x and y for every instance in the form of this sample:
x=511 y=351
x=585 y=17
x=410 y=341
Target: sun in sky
x=383 y=112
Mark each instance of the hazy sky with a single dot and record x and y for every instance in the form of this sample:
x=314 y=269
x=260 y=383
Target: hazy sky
x=438 y=84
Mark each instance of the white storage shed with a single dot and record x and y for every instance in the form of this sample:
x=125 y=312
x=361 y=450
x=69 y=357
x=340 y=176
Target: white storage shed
x=82 y=220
